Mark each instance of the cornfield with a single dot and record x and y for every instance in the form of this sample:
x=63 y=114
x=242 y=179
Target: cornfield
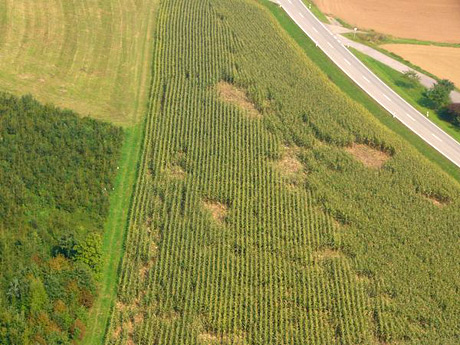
x=268 y=229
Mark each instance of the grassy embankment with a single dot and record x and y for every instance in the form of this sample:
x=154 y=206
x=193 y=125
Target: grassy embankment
x=352 y=90
x=316 y=11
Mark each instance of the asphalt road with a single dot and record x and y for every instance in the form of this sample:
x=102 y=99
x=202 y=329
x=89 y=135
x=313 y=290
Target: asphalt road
x=370 y=83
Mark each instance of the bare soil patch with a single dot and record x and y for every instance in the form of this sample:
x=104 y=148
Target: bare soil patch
x=429 y=20
x=208 y=338
x=435 y=200
x=231 y=94
x=289 y=165
x=328 y=253
x=116 y=333
x=369 y=156
x=121 y=306
x=440 y=61
x=138 y=318
x=213 y=339
x=218 y=210
x=143 y=271
x=175 y=171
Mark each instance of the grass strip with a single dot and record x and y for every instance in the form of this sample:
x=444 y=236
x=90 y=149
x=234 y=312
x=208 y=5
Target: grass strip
x=316 y=11
x=114 y=234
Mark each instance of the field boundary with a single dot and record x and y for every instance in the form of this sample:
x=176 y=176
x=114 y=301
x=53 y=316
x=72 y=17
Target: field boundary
x=115 y=233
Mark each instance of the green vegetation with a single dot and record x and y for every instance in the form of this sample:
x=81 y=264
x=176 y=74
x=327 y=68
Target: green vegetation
x=55 y=176
x=89 y=56
x=316 y=11
x=114 y=234
x=282 y=227
x=439 y=94
x=414 y=94
x=453 y=113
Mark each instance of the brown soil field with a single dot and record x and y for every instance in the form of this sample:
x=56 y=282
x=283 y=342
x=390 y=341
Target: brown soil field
x=440 y=61
x=430 y=20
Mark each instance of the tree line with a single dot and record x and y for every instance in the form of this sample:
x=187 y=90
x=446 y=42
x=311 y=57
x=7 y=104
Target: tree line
x=56 y=171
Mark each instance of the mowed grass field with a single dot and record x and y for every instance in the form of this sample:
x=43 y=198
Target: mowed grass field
x=92 y=56
x=440 y=61
x=428 y=20
x=272 y=209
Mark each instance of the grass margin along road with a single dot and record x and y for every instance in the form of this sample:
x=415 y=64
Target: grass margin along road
x=412 y=95
x=115 y=233
x=355 y=92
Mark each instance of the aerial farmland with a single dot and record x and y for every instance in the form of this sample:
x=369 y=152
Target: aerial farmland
x=200 y=172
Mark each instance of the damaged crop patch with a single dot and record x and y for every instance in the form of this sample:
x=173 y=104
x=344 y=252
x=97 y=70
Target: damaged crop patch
x=231 y=94
x=217 y=210
x=369 y=156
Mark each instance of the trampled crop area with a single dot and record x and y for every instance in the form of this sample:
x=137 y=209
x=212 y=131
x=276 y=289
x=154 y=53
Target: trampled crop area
x=90 y=56
x=297 y=219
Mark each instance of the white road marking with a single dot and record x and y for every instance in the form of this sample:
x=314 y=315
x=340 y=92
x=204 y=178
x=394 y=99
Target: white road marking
x=290 y=2
x=434 y=135
x=348 y=62
x=330 y=44
x=388 y=98
x=410 y=117
x=315 y=29
x=301 y=15
x=366 y=79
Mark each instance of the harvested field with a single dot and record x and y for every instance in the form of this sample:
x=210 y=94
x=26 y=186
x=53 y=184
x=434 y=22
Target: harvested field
x=429 y=20
x=90 y=56
x=369 y=156
x=440 y=61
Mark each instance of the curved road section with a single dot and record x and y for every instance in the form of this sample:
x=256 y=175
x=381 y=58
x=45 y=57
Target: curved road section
x=370 y=83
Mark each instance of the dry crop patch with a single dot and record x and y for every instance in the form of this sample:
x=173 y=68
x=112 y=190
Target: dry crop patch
x=232 y=94
x=213 y=339
x=218 y=210
x=328 y=254
x=436 y=200
x=369 y=156
x=175 y=171
x=289 y=165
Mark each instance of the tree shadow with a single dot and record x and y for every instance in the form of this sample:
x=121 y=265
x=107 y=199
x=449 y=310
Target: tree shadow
x=405 y=84
x=426 y=102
